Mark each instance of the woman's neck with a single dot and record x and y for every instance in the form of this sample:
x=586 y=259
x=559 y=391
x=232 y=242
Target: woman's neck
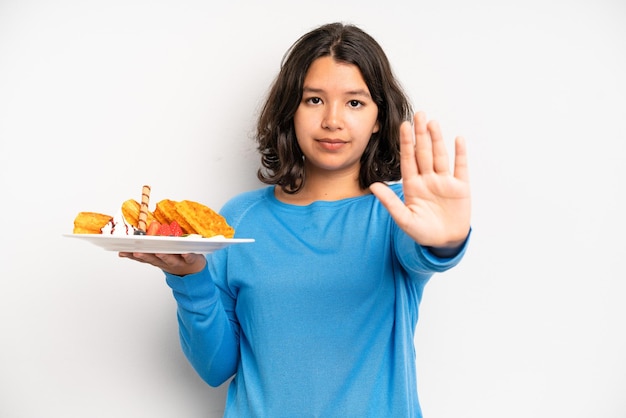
x=324 y=186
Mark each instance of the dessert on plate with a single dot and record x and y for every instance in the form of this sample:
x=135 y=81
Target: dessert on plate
x=169 y=218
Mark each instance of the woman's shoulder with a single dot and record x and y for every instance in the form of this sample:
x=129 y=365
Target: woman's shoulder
x=242 y=202
x=250 y=196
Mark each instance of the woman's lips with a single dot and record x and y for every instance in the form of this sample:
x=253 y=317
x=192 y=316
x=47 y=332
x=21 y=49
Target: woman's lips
x=331 y=144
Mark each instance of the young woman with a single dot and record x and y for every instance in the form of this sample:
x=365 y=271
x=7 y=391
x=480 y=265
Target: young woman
x=317 y=317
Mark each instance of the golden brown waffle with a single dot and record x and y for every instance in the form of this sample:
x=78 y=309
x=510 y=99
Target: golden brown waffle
x=90 y=222
x=131 y=209
x=202 y=219
x=165 y=211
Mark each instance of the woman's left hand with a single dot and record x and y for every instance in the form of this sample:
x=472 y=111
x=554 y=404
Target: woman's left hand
x=437 y=206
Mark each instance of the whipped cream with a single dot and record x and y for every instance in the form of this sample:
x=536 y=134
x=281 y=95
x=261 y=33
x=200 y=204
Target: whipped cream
x=118 y=226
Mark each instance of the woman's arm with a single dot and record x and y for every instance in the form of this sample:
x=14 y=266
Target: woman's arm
x=208 y=338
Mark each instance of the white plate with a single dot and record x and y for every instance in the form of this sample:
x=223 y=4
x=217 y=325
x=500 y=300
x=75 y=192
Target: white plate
x=158 y=244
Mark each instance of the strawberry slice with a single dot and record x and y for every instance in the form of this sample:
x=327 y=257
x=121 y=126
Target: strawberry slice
x=175 y=228
x=164 y=230
x=153 y=229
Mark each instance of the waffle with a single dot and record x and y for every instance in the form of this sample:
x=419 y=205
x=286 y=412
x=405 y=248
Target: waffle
x=202 y=219
x=90 y=222
x=166 y=212
x=131 y=209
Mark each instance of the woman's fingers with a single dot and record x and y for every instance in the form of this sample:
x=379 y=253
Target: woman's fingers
x=461 y=170
x=179 y=264
x=396 y=207
x=432 y=155
x=423 y=144
x=439 y=153
x=408 y=165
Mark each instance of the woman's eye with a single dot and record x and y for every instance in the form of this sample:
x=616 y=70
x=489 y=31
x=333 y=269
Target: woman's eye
x=354 y=103
x=314 y=100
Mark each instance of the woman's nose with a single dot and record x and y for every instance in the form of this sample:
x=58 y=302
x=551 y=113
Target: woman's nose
x=332 y=118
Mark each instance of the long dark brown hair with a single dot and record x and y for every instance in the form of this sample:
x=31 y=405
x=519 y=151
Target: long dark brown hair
x=281 y=157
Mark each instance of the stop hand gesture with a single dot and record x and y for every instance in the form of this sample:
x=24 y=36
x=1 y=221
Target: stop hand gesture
x=437 y=207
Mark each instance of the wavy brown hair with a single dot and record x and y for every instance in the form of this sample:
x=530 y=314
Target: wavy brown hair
x=281 y=158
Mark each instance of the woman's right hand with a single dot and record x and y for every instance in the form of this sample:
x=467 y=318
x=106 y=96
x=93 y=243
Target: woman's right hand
x=176 y=264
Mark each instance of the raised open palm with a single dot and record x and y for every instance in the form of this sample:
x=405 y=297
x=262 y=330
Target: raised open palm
x=437 y=207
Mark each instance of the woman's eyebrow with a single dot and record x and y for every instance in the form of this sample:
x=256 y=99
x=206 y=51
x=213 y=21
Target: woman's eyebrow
x=357 y=92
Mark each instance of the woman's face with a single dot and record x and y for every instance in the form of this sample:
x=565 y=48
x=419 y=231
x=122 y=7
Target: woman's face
x=336 y=117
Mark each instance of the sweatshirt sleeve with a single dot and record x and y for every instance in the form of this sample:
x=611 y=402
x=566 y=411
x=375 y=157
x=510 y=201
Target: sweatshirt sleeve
x=207 y=336
x=419 y=259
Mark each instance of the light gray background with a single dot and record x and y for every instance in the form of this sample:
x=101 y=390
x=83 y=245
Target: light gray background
x=99 y=98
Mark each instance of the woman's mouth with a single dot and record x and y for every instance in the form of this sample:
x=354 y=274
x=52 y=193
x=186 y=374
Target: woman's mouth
x=331 y=144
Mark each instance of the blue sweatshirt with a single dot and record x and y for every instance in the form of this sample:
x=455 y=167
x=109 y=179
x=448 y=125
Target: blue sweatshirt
x=316 y=318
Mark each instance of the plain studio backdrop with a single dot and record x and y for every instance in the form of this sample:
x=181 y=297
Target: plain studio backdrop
x=99 y=98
